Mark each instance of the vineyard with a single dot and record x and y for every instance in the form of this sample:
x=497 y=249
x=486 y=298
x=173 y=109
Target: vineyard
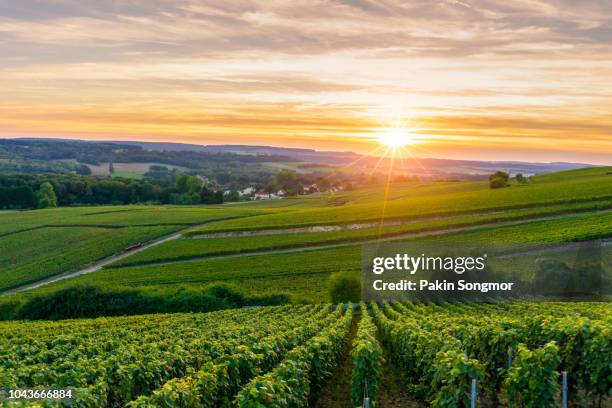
x=284 y=356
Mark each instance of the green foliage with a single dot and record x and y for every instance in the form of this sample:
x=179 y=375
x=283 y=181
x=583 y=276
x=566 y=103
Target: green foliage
x=499 y=179
x=533 y=380
x=429 y=199
x=37 y=244
x=434 y=363
x=188 y=184
x=46 y=196
x=218 y=381
x=92 y=301
x=344 y=287
x=301 y=373
x=367 y=356
x=157 y=360
x=479 y=338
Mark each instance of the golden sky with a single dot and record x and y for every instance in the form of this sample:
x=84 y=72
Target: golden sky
x=478 y=79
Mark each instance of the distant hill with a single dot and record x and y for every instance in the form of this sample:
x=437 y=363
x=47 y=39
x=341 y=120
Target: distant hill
x=417 y=165
x=422 y=167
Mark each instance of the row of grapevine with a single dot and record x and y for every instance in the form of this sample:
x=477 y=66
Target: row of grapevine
x=301 y=373
x=281 y=356
x=113 y=361
x=217 y=382
x=585 y=344
x=367 y=356
x=494 y=334
x=433 y=363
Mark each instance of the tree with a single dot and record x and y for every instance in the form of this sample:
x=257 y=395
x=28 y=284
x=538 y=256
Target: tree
x=344 y=287
x=46 y=196
x=111 y=168
x=209 y=196
x=232 y=196
x=499 y=179
x=520 y=178
x=83 y=170
x=188 y=184
x=272 y=187
x=289 y=182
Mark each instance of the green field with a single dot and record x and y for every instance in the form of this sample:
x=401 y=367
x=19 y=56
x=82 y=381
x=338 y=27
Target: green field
x=412 y=200
x=285 y=251
x=254 y=272
x=196 y=245
x=285 y=255
x=39 y=244
x=291 y=356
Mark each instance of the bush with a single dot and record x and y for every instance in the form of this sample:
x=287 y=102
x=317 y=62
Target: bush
x=498 y=179
x=92 y=301
x=344 y=287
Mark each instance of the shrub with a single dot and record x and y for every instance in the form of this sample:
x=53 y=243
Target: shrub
x=344 y=287
x=498 y=179
x=93 y=301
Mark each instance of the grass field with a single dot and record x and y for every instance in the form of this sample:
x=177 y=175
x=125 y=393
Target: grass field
x=560 y=207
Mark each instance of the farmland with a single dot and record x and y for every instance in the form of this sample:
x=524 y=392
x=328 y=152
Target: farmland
x=38 y=244
x=285 y=356
x=430 y=199
x=292 y=246
x=253 y=271
x=284 y=252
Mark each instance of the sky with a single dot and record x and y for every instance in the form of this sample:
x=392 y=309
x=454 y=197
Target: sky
x=523 y=80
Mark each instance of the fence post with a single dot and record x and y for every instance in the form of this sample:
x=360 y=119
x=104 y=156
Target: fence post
x=564 y=390
x=474 y=394
x=366 y=397
x=509 y=367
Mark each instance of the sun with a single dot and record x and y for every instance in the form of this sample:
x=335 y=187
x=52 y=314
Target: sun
x=395 y=137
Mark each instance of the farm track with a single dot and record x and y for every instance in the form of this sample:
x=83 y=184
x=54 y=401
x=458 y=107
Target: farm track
x=364 y=225
x=330 y=226
x=96 y=266
x=357 y=241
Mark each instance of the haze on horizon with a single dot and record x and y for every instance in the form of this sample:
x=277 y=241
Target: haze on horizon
x=524 y=80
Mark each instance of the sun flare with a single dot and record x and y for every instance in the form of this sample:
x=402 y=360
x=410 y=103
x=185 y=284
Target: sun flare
x=395 y=137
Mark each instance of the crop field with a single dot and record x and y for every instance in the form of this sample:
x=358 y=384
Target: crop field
x=514 y=353
x=286 y=356
x=39 y=244
x=251 y=245
x=314 y=266
x=298 y=354
x=196 y=245
x=415 y=202
x=37 y=254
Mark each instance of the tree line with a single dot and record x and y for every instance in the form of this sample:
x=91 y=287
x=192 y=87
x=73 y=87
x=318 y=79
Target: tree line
x=28 y=191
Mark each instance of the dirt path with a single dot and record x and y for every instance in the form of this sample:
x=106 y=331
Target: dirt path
x=392 y=391
x=365 y=240
x=176 y=235
x=96 y=266
x=337 y=390
x=361 y=225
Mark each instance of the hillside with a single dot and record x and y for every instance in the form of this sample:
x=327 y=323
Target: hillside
x=291 y=249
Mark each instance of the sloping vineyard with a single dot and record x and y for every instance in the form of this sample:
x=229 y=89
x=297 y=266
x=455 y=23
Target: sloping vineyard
x=172 y=360
x=515 y=352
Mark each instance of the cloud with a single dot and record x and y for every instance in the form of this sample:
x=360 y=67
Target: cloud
x=460 y=67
